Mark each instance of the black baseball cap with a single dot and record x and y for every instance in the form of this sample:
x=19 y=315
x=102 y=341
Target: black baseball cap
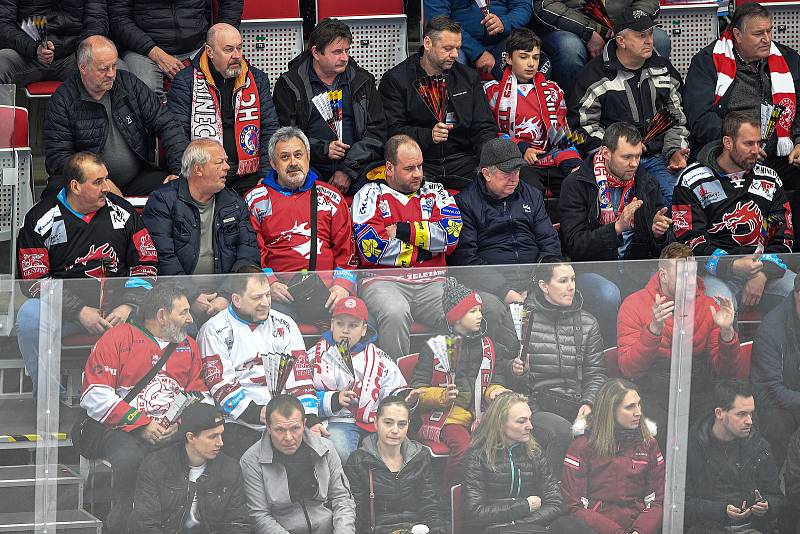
x=636 y=20
x=198 y=417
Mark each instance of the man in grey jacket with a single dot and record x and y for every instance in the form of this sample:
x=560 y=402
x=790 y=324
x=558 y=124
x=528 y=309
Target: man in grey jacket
x=294 y=479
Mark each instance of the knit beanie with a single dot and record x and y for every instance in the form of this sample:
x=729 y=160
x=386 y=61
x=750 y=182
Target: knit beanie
x=457 y=300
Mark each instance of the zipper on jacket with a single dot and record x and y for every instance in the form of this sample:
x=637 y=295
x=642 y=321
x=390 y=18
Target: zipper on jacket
x=305 y=513
x=511 y=232
x=558 y=348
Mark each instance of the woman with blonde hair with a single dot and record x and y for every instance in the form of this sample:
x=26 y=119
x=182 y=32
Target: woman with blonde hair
x=508 y=485
x=613 y=476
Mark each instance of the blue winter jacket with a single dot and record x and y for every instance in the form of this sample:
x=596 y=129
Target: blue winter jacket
x=513 y=231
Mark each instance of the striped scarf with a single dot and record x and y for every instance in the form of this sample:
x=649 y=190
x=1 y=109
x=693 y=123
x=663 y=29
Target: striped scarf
x=783 y=92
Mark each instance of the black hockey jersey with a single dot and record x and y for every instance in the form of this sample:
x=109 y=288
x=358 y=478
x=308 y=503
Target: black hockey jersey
x=57 y=242
x=736 y=214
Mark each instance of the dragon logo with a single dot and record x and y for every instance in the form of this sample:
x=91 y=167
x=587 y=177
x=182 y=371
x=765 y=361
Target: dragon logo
x=104 y=255
x=743 y=222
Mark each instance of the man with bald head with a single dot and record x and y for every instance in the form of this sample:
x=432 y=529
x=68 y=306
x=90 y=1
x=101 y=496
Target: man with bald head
x=114 y=115
x=225 y=98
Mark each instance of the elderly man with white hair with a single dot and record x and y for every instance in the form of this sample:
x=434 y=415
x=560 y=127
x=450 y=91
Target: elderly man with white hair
x=199 y=226
x=112 y=114
x=223 y=97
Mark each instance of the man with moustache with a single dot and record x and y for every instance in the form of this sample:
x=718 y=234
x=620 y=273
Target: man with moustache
x=122 y=357
x=294 y=479
x=289 y=210
x=731 y=477
x=728 y=204
x=224 y=97
x=327 y=66
x=113 y=114
x=199 y=226
x=236 y=345
x=213 y=497
x=611 y=209
x=450 y=144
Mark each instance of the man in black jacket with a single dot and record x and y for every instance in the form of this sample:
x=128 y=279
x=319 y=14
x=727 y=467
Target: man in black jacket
x=158 y=37
x=341 y=158
x=731 y=476
x=24 y=60
x=114 y=115
x=611 y=209
x=211 y=494
x=775 y=372
x=629 y=83
x=450 y=143
x=222 y=96
x=201 y=227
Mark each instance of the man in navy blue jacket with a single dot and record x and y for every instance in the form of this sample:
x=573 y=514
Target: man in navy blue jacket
x=483 y=36
x=200 y=227
x=504 y=224
x=225 y=98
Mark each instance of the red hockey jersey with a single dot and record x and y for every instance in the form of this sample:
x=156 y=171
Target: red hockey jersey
x=428 y=225
x=119 y=360
x=281 y=219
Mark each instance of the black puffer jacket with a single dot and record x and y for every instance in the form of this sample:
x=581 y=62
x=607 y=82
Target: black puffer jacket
x=75 y=121
x=410 y=496
x=68 y=23
x=164 y=495
x=499 y=496
x=555 y=357
x=177 y=26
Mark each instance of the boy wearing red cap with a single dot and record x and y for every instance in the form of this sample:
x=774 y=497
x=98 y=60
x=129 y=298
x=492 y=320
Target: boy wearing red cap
x=457 y=376
x=351 y=375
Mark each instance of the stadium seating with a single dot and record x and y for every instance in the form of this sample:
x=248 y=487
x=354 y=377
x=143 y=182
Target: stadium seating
x=272 y=35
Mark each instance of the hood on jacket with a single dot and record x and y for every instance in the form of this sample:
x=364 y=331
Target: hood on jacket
x=708 y=155
x=408 y=449
x=271 y=181
x=581 y=424
x=370 y=337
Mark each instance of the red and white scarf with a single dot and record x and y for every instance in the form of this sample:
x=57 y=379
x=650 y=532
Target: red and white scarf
x=432 y=422
x=606 y=180
x=206 y=119
x=783 y=92
x=506 y=109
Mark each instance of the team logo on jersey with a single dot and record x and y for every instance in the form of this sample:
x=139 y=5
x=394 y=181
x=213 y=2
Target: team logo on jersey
x=118 y=217
x=105 y=255
x=709 y=193
x=737 y=179
x=145 y=246
x=743 y=223
x=248 y=139
x=158 y=395
x=34 y=262
x=383 y=205
x=762 y=188
x=212 y=369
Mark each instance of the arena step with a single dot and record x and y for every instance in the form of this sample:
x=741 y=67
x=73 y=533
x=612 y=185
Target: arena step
x=18 y=488
x=72 y=521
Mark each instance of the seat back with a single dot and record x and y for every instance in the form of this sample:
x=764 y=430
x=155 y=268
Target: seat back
x=611 y=357
x=406 y=364
x=379 y=29
x=272 y=35
x=746 y=354
x=456 y=504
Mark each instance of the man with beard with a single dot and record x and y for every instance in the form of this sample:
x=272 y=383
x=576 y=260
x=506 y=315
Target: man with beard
x=212 y=499
x=731 y=477
x=291 y=209
x=224 y=97
x=241 y=346
x=612 y=209
x=728 y=204
x=84 y=232
x=199 y=227
x=118 y=361
x=452 y=142
x=339 y=158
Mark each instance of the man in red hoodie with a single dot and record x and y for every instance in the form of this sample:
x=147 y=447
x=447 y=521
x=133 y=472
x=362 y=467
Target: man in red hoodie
x=644 y=338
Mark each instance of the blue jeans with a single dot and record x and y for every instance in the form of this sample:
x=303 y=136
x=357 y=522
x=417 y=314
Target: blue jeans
x=568 y=54
x=27 y=326
x=345 y=438
x=774 y=292
x=497 y=51
x=656 y=165
x=601 y=298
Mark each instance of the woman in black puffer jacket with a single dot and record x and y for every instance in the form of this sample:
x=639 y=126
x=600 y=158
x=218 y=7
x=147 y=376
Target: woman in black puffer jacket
x=508 y=486
x=562 y=366
x=402 y=477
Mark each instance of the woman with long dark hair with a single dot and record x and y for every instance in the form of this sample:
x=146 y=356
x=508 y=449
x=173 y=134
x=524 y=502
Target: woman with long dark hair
x=391 y=476
x=613 y=477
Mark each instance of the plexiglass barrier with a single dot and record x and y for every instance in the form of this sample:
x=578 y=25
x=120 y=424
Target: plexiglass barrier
x=635 y=374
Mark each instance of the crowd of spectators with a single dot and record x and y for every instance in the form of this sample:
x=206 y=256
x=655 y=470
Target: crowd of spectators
x=283 y=221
